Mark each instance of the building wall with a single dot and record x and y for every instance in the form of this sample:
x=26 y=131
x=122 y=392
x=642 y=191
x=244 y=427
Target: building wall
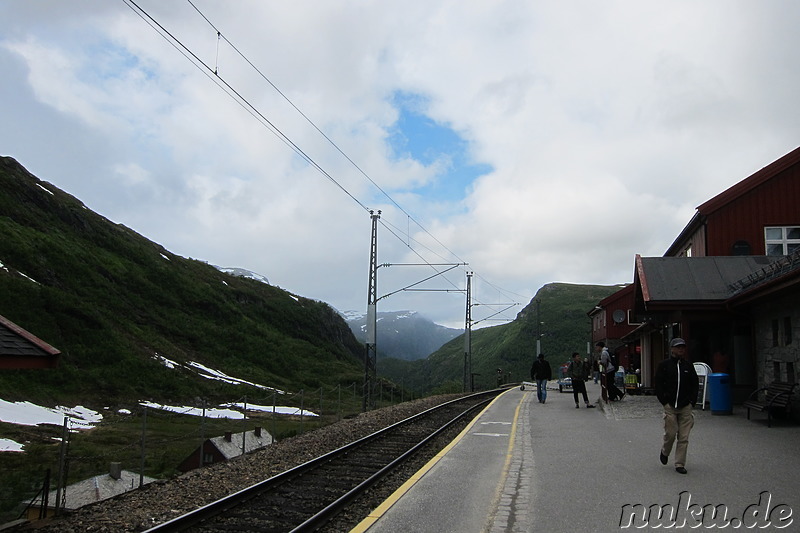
x=694 y=246
x=604 y=325
x=773 y=203
x=652 y=355
x=599 y=326
x=612 y=322
x=208 y=449
x=777 y=359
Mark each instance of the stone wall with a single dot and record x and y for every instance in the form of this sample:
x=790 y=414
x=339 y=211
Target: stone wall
x=777 y=348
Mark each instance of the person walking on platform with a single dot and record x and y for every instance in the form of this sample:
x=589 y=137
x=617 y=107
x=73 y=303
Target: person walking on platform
x=578 y=372
x=676 y=388
x=540 y=373
x=609 y=370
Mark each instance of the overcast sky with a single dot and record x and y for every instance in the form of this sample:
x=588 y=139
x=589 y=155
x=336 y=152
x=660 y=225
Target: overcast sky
x=538 y=141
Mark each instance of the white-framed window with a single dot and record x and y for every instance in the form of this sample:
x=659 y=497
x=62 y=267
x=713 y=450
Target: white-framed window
x=782 y=240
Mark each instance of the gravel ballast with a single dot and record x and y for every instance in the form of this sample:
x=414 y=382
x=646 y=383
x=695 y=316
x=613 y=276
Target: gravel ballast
x=161 y=501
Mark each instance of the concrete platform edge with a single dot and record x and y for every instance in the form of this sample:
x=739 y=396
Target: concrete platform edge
x=379 y=511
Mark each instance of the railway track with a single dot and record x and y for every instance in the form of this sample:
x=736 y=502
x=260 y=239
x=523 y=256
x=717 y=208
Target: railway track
x=309 y=496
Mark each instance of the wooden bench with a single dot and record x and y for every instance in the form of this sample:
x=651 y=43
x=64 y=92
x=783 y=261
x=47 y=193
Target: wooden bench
x=778 y=397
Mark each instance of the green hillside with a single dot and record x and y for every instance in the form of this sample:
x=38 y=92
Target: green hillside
x=564 y=328
x=115 y=303
x=110 y=300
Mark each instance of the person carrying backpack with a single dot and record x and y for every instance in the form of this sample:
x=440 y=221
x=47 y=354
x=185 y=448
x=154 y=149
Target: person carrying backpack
x=609 y=368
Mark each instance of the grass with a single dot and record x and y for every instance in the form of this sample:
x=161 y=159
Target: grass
x=558 y=313
x=169 y=438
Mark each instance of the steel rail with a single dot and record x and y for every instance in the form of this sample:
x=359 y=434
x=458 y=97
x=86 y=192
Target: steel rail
x=322 y=517
x=208 y=511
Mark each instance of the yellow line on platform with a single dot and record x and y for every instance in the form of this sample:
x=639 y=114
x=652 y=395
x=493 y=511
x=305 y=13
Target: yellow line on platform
x=379 y=511
x=498 y=492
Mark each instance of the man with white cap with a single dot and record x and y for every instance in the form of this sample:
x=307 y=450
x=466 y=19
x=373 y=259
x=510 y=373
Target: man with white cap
x=676 y=388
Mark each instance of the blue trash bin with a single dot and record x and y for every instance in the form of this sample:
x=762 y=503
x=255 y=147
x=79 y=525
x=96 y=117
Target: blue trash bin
x=719 y=386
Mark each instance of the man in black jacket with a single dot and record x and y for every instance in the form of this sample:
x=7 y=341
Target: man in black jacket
x=540 y=373
x=676 y=388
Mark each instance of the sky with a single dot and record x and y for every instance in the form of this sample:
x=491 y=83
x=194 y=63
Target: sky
x=538 y=142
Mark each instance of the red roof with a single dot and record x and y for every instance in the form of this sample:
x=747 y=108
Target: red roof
x=730 y=195
x=750 y=183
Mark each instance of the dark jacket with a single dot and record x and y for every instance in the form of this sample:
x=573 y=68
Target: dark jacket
x=676 y=383
x=579 y=371
x=541 y=370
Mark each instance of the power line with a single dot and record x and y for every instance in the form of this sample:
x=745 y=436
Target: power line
x=213 y=74
x=324 y=135
x=236 y=95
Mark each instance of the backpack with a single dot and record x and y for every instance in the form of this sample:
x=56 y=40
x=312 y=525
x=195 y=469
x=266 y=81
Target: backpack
x=612 y=360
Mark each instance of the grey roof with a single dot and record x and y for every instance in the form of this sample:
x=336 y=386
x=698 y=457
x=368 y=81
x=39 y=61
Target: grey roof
x=15 y=341
x=95 y=489
x=233 y=448
x=696 y=278
x=782 y=268
x=13 y=344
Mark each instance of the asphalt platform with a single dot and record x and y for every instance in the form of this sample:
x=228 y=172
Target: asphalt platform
x=523 y=466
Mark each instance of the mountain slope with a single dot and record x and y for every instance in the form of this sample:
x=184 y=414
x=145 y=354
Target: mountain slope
x=405 y=335
x=110 y=300
x=509 y=347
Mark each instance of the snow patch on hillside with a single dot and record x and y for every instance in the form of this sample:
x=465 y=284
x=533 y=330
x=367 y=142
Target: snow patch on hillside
x=243 y=273
x=210 y=373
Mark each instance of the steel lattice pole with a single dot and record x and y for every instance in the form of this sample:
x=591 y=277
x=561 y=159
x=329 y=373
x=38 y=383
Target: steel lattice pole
x=371 y=355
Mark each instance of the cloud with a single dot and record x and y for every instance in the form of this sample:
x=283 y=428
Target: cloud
x=595 y=130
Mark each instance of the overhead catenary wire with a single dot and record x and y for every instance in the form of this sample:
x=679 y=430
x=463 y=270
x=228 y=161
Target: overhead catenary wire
x=506 y=306
x=236 y=95
x=245 y=103
x=319 y=130
x=313 y=125
x=213 y=74
x=409 y=217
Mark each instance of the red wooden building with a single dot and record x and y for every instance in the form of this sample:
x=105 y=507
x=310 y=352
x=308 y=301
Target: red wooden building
x=760 y=215
x=728 y=284
x=612 y=320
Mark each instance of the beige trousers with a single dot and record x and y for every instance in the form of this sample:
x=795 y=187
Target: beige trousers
x=677 y=423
